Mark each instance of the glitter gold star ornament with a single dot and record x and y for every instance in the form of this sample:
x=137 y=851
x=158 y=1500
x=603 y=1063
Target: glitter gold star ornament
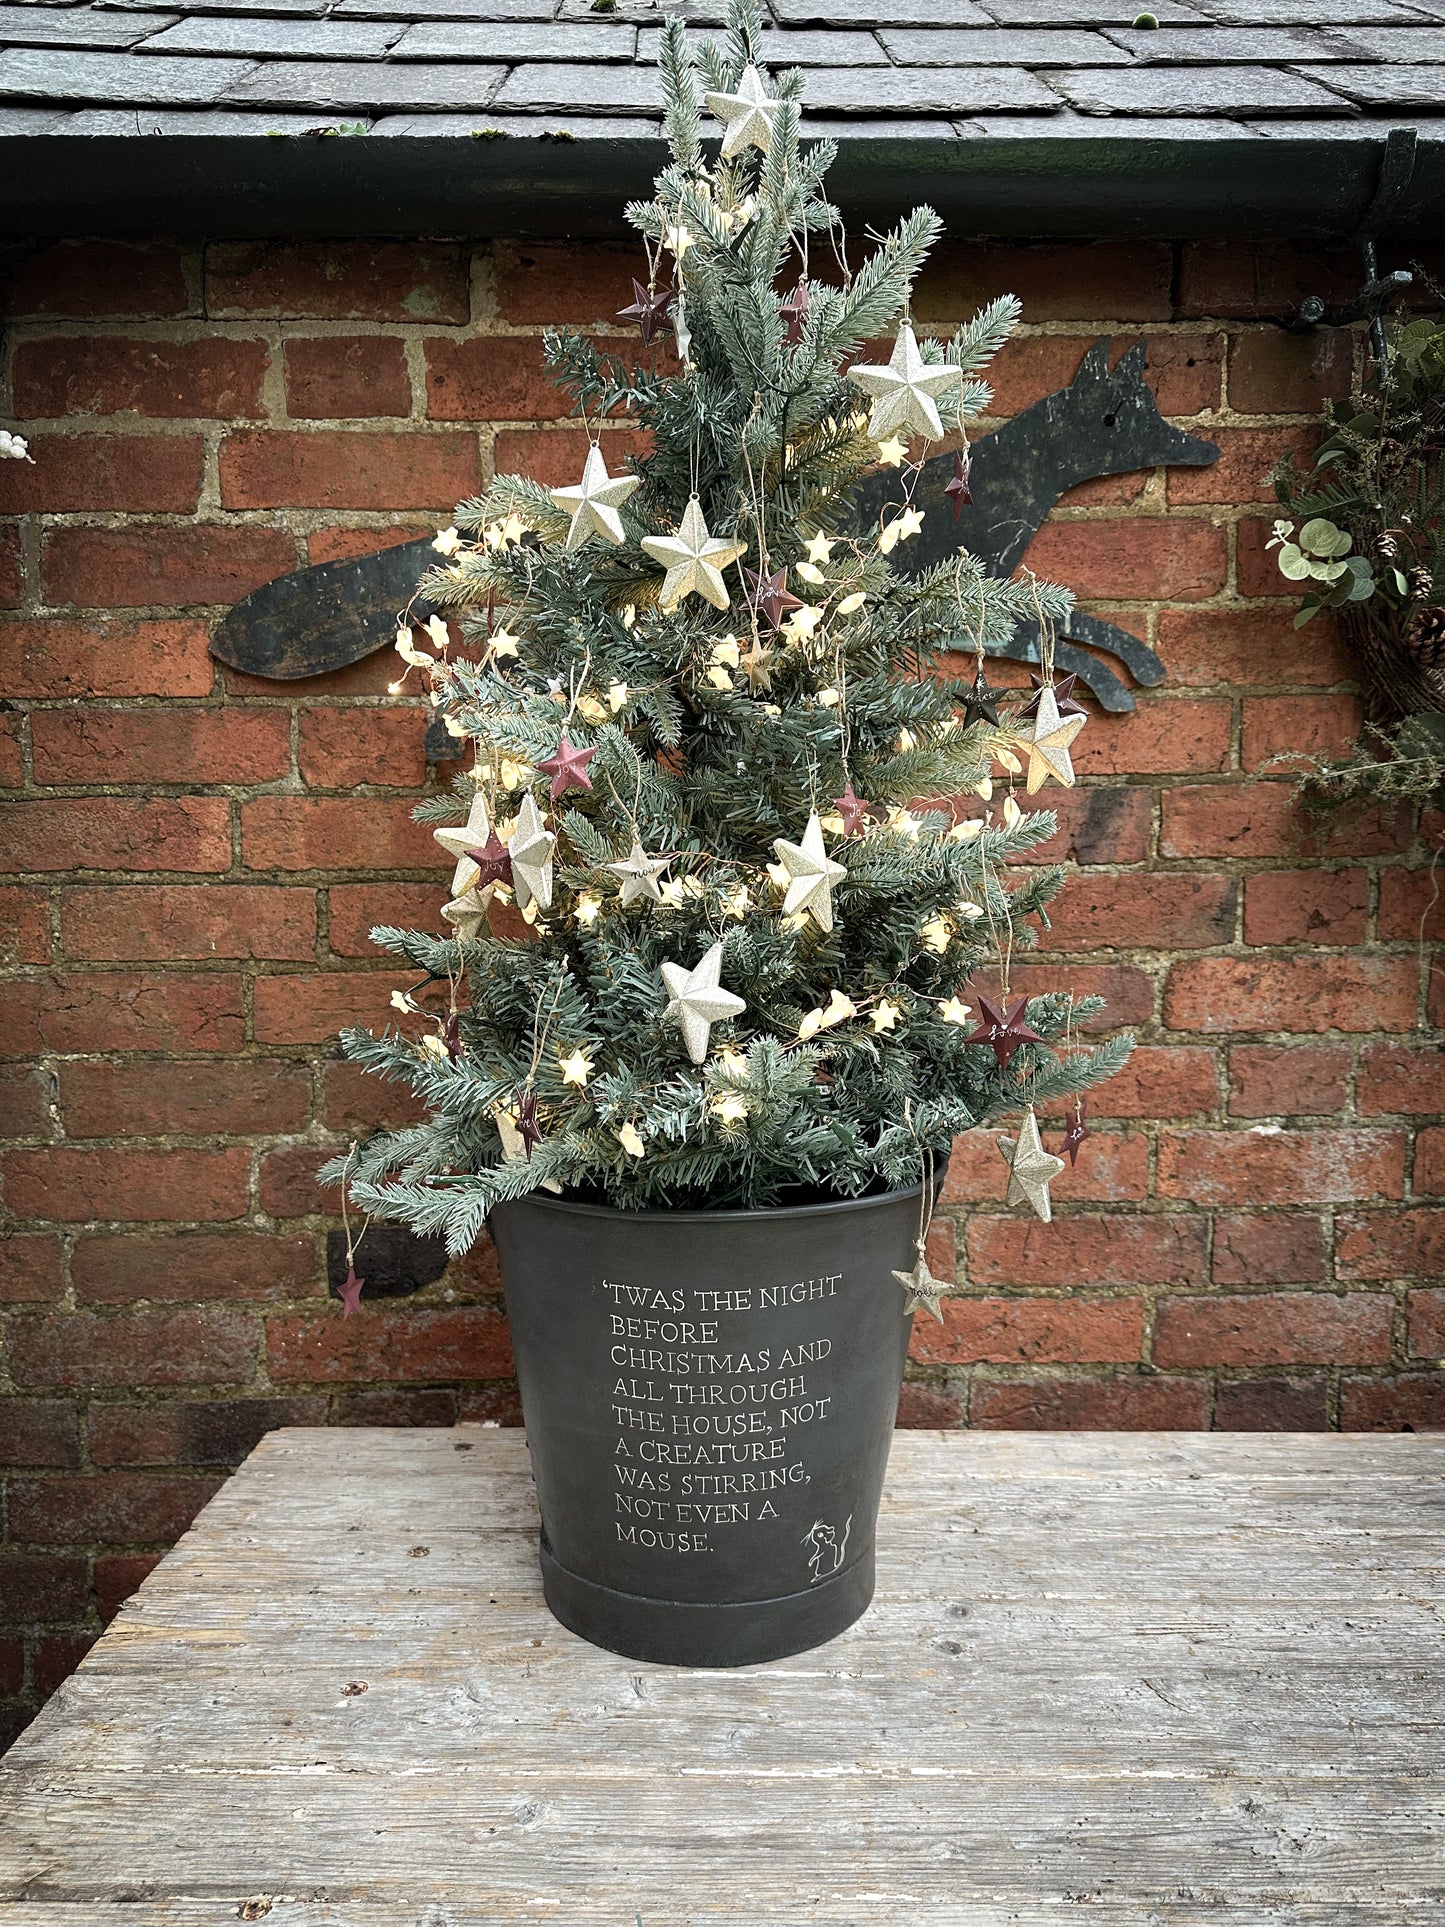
x=697 y=1001
x=468 y=912
x=694 y=560
x=1031 y=1169
x=811 y=874
x=466 y=842
x=1047 y=744
x=906 y=391
x=594 y=502
x=639 y=873
x=924 y=1290
x=531 y=852
x=748 y=116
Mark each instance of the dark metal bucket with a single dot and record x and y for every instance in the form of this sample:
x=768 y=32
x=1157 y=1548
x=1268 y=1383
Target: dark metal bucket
x=709 y=1399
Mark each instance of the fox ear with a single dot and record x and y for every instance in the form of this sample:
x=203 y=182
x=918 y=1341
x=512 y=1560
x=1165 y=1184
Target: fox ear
x=1095 y=365
x=1131 y=364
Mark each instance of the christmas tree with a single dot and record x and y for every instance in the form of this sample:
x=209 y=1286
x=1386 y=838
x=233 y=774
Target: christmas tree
x=703 y=709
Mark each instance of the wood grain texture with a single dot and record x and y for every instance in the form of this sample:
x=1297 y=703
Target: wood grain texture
x=1170 y=1680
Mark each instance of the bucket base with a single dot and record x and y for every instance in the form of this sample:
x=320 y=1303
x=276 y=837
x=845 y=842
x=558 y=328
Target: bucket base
x=671 y=1632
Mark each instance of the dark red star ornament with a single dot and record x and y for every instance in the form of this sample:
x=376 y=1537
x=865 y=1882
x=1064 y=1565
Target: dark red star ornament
x=851 y=808
x=1075 y=1135
x=956 y=489
x=567 y=767
x=452 y=1035
x=648 y=310
x=770 y=595
x=1003 y=1026
x=794 y=312
x=493 y=861
x=529 y=1130
x=1063 y=696
x=351 y=1292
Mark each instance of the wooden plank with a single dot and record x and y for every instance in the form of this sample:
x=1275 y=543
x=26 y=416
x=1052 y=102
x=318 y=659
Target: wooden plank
x=1170 y=1679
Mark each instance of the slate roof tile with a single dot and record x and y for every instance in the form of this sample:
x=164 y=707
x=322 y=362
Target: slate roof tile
x=39 y=73
x=512 y=42
x=1190 y=90
x=1405 y=44
x=329 y=85
x=818 y=47
x=879 y=13
x=549 y=88
x=312 y=9
x=1316 y=13
x=1089 y=13
x=999 y=47
x=1422 y=86
x=1220 y=46
x=441 y=9
x=213 y=122
x=932 y=90
x=577 y=127
x=280 y=39
x=58 y=27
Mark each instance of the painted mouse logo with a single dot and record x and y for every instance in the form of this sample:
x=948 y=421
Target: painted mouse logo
x=827 y=1553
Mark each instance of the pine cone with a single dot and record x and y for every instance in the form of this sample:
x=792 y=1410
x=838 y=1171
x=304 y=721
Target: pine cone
x=1386 y=547
x=1425 y=639
x=1420 y=580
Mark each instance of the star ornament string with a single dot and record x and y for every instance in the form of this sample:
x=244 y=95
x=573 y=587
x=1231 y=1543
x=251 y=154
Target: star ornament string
x=922 y=1290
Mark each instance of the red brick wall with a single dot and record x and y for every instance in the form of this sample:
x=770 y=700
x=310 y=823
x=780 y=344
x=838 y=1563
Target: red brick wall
x=1254 y=1235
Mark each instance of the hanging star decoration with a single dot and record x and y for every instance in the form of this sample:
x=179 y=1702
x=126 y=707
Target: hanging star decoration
x=905 y=392
x=956 y=488
x=770 y=596
x=452 y=1034
x=694 y=560
x=1075 y=1135
x=468 y=842
x=697 y=1001
x=531 y=853
x=1063 y=695
x=648 y=310
x=567 y=767
x=467 y=913
x=594 y=502
x=924 y=1290
x=351 y=1292
x=1047 y=744
x=1031 y=1169
x=639 y=873
x=754 y=664
x=1002 y=1025
x=853 y=809
x=811 y=874
x=529 y=1129
x=747 y=116
x=794 y=313
x=980 y=705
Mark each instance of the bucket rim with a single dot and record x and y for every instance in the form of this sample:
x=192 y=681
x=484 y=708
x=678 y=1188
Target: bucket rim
x=771 y=1213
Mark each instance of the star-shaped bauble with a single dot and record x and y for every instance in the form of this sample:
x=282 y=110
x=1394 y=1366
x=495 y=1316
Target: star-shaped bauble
x=770 y=596
x=594 y=503
x=492 y=862
x=905 y=391
x=811 y=875
x=1002 y=1025
x=755 y=665
x=1031 y=1169
x=697 y=1001
x=467 y=913
x=648 y=310
x=956 y=488
x=853 y=809
x=924 y=1290
x=1047 y=744
x=466 y=842
x=567 y=767
x=531 y=853
x=1063 y=695
x=794 y=313
x=1075 y=1134
x=639 y=873
x=980 y=705
x=748 y=115
x=694 y=560
x=351 y=1292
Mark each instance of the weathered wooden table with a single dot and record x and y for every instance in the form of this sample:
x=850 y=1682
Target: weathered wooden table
x=1166 y=1679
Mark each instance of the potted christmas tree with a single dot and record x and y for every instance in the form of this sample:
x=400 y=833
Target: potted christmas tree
x=704 y=1087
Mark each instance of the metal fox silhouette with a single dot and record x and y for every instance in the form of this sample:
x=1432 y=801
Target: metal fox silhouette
x=1106 y=422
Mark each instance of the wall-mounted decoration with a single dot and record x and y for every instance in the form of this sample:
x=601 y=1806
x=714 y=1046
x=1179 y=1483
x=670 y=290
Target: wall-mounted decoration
x=1106 y=422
